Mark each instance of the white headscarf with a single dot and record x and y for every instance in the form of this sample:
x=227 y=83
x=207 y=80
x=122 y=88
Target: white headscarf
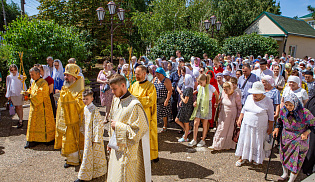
x=14 y=85
x=295 y=79
x=58 y=73
x=46 y=71
x=125 y=66
x=188 y=71
x=189 y=81
x=159 y=62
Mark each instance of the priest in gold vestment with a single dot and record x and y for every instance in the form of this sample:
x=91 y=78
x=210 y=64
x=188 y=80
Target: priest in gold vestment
x=41 y=124
x=69 y=119
x=145 y=92
x=129 y=143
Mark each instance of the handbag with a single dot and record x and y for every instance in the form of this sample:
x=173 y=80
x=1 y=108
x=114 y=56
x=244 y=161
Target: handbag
x=161 y=100
x=105 y=88
x=11 y=108
x=236 y=133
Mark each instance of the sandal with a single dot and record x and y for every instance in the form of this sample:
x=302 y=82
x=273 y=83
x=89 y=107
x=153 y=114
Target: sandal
x=282 y=179
x=164 y=129
x=20 y=124
x=239 y=163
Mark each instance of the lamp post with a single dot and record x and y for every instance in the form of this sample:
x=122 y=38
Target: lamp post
x=214 y=25
x=112 y=7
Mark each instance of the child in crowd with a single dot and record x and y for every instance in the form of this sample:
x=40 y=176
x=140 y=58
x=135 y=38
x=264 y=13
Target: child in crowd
x=203 y=109
x=94 y=161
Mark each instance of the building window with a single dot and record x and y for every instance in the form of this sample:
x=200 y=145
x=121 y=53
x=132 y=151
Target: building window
x=292 y=50
x=312 y=23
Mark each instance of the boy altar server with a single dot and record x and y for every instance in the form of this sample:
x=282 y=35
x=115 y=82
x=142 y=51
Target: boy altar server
x=94 y=161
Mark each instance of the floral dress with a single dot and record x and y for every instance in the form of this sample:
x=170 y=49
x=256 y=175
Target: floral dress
x=293 y=150
x=107 y=96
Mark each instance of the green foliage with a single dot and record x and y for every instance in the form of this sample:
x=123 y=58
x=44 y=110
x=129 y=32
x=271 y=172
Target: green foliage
x=6 y=59
x=251 y=44
x=82 y=14
x=189 y=43
x=167 y=15
x=12 y=11
x=311 y=9
x=39 y=39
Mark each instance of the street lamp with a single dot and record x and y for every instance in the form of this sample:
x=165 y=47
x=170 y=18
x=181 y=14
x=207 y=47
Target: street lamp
x=214 y=25
x=112 y=11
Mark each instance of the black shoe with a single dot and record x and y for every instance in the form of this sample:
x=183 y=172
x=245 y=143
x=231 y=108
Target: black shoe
x=156 y=160
x=67 y=165
x=30 y=144
x=50 y=143
x=78 y=180
x=20 y=124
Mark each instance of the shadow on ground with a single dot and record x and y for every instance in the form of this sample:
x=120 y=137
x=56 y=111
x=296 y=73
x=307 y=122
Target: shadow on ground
x=179 y=168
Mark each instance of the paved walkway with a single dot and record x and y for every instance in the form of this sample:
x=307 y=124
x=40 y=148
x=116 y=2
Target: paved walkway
x=178 y=162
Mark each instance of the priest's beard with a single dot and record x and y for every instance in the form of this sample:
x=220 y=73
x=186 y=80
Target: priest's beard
x=68 y=83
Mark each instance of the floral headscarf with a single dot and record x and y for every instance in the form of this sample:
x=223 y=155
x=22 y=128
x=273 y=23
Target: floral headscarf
x=297 y=106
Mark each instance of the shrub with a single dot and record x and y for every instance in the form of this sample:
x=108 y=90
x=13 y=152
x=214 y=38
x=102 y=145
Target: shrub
x=189 y=43
x=250 y=44
x=39 y=39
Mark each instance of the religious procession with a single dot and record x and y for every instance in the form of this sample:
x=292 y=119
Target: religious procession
x=157 y=91
x=253 y=105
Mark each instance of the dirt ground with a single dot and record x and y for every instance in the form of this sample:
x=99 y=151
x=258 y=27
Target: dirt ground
x=178 y=162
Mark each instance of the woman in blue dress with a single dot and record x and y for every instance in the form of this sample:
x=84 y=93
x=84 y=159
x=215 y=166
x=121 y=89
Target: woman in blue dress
x=58 y=75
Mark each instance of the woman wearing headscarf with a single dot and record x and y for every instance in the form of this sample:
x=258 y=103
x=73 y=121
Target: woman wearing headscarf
x=158 y=63
x=230 y=109
x=163 y=87
x=272 y=93
x=175 y=77
x=186 y=105
x=301 y=84
x=145 y=61
x=151 y=74
x=58 y=75
x=293 y=87
x=256 y=121
x=279 y=79
x=125 y=71
x=14 y=88
x=170 y=69
x=309 y=162
x=45 y=73
x=122 y=61
x=296 y=123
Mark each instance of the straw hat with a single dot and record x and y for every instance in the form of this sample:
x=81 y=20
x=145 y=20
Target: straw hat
x=257 y=88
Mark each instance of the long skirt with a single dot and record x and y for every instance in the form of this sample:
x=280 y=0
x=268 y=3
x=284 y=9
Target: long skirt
x=250 y=144
x=224 y=133
x=293 y=150
x=106 y=99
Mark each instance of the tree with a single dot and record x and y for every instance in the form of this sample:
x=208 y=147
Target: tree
x=188 y=42
x=312 y=10
x=39 y=39
x=82 y=14
x=12 y=11
x=167 y=15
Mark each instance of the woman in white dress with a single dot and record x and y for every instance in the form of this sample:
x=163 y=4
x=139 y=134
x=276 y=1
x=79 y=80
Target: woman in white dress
x=256 y=121
x=14 y=88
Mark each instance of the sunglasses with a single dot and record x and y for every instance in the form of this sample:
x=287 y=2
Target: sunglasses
x=12 y=70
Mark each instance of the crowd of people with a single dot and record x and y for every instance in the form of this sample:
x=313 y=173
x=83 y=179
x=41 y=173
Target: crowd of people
x=248 y=102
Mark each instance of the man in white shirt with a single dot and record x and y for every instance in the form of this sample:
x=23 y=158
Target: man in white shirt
x=263 y=70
